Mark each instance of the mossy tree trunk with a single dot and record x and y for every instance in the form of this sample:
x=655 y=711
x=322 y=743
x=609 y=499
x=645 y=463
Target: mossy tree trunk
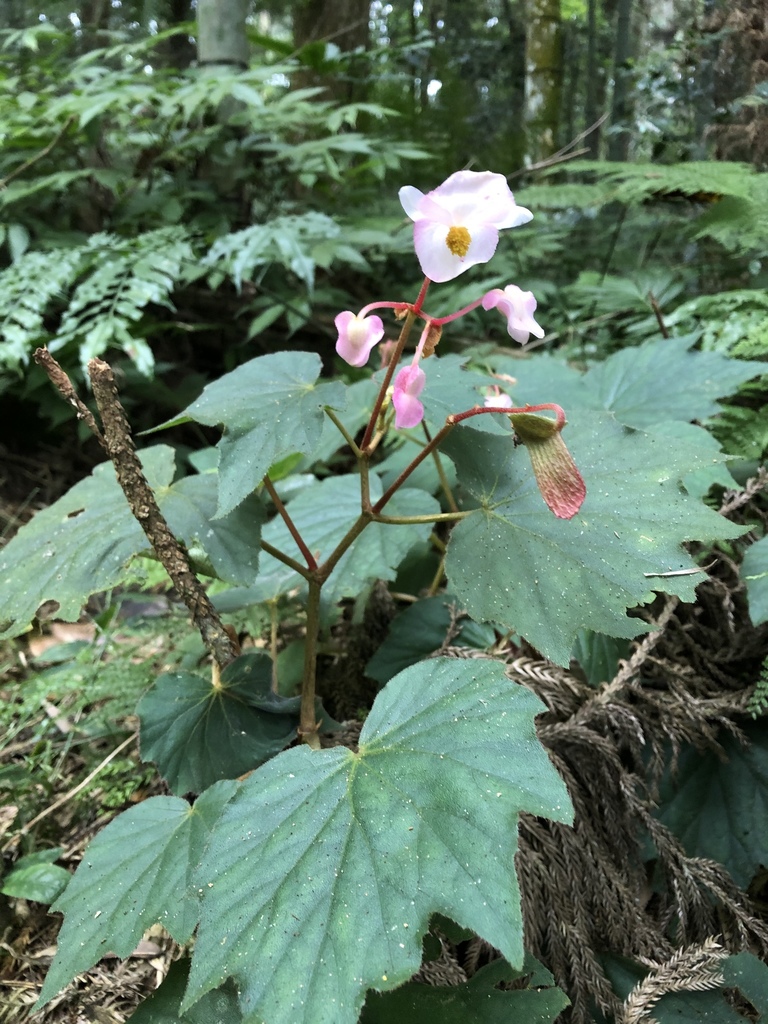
x=618 y=143
x=544 y=77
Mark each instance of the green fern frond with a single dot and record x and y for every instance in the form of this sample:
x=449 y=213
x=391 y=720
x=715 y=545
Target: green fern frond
x=758 y=702
x=732 y=198
x=27 y=290
x=290 y=241
x=739 y=224
x=706 y=181
x=126 y=276
x=566 y=196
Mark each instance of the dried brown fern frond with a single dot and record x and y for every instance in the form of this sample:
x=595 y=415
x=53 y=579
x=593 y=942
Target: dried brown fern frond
x=694 y=969
x=586 y=890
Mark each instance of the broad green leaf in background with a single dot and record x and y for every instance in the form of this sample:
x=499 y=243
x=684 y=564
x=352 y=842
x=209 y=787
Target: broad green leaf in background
x=323 y=515
x=268 y=408
x=754 y=572
x=719 y=809
x=84 y=543
x=419 y=630
x=137 y=871
x=479 y=1000
x=36 y=877
x=425 y=477
x=641 y=385
x=162 y=1007
x=197 y=733
x=699 y=481
x=360 y=397
x=750 y=975
x=514 y=563
x=322 y=874
x=599 y=655
x=229 y=544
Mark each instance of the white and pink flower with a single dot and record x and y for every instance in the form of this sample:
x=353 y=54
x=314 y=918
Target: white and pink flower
x=456 y=226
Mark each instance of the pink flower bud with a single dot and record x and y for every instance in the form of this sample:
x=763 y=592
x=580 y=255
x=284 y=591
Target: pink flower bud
x=518 y=307
x=409 y=383
x=357 y=336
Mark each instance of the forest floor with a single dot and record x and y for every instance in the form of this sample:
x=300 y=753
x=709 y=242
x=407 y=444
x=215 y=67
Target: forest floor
x=46 y=752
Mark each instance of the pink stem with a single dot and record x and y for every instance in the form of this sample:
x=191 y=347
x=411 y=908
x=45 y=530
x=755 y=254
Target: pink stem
x=556 y=409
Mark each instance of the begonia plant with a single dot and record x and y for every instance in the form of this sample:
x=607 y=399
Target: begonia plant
x=308 y=873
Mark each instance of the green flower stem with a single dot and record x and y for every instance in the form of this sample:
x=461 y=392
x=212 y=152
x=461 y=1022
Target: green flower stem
x=438 y=542
x=441 y=471
x=308 y=724
x=425 y=451
x=322 y=573
x=342 y=430
x=440 y=517
x=273 y=643
x=285 y=559
x=391 y=367
x=309 y=557
x=438 y=580
x=365 y=484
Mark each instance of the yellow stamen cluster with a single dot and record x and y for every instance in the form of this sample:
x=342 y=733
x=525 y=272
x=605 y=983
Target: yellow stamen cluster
x=458 y=240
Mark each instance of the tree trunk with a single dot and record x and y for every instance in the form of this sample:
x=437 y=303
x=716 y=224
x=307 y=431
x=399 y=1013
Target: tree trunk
x=221 y=37
x=618 y=143
x=594 y=81
x=343 y=23
x=544 y=64
x=178 y=51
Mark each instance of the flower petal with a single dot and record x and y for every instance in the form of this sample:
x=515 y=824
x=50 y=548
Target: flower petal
x=518 y=307
x=437 y=261
x=357 y=336
x=409 y=384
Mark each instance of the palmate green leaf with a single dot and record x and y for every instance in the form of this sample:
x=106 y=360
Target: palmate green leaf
x=640 y=385
x=137 y=871
x=478 y=1000
x=719 y=809
x=599 y=655
x=36 y=877
x=84 y=543
x=197 y=733
x=698 y=482
x=321 y=876
x=419 y=630
x=162 y=1007
x=514 y=563
x=754 y=572
x=323 y=514
x=269 y=407
x=230 y=544
x=750 y=975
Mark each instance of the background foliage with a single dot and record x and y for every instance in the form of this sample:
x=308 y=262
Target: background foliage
x=182 y=216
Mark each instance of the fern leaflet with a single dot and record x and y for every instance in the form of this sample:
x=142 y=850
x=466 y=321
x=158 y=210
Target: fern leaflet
x=126 y=276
